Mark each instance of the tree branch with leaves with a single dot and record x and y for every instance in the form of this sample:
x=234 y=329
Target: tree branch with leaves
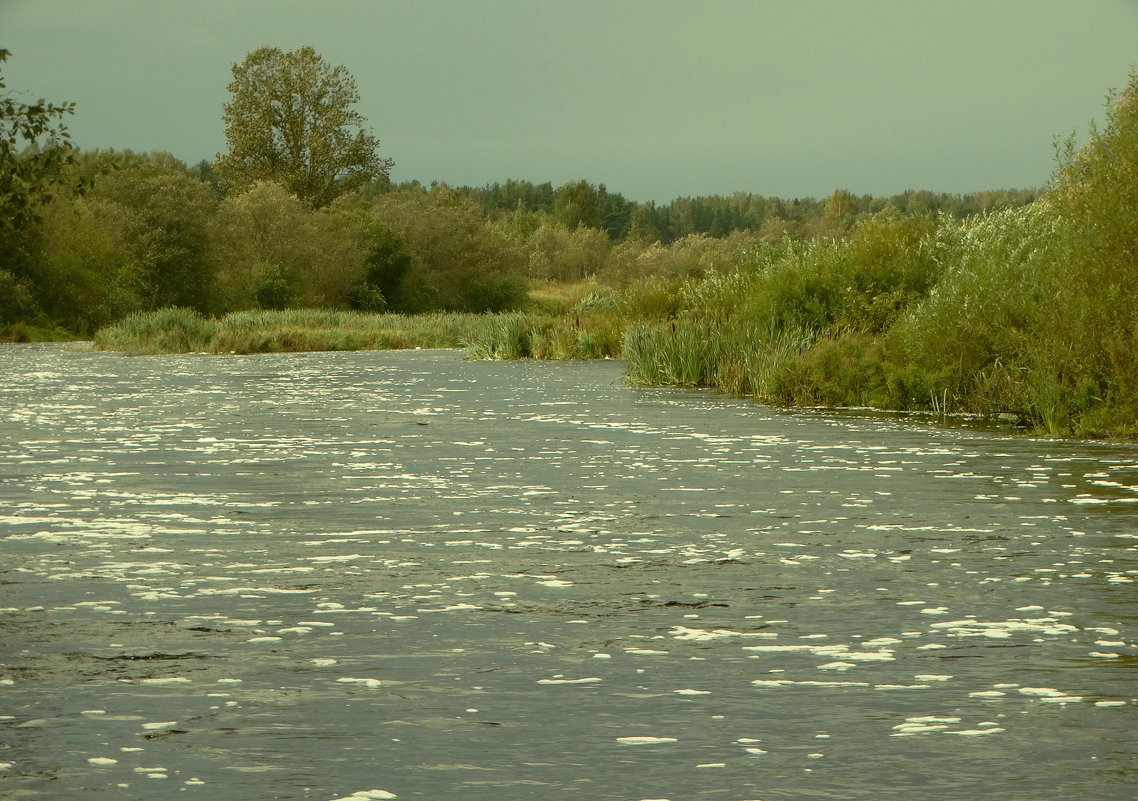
x=35 y=149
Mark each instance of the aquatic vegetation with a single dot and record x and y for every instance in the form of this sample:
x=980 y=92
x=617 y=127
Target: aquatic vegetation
x=169 y=330
x=266 y=331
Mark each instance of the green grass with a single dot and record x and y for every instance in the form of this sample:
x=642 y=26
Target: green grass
x=186 y=331
x=29 y=332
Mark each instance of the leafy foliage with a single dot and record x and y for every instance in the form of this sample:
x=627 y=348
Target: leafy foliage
x=35 y=153
x=291 y=120
x=35 y=150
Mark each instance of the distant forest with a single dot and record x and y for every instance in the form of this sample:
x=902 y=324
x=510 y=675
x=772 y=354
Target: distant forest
x=580 y=203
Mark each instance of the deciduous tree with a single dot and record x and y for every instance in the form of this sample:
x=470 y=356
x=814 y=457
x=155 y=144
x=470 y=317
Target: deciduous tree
x=291 y=120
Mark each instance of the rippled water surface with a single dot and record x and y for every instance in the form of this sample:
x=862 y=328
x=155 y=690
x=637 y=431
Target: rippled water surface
x=401 y=574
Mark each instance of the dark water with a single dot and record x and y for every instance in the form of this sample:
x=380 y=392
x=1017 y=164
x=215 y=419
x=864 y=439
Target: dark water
x=399 y=574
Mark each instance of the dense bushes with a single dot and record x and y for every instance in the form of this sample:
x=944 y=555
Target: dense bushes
x=1030 y=312
x=150 y=233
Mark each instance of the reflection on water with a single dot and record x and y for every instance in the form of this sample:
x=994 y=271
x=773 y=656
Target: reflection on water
x=403 y=575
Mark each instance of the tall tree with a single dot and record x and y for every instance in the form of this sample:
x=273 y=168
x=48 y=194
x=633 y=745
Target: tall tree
x=575 y=204
x=34 y=153
x=291 y=120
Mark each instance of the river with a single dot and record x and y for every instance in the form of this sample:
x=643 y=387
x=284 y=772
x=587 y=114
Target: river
x=404 y=575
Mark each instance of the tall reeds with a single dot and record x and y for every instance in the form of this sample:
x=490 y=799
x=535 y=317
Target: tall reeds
x=260 y=331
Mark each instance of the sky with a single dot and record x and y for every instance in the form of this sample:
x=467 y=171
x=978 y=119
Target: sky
x=655 y=99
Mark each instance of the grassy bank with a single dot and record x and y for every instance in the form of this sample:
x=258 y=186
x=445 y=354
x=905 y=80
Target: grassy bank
x=1028 y=312
x=176 y=330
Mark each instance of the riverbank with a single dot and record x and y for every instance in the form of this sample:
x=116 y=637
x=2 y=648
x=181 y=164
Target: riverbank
x=729 y=358
x=1029 y=312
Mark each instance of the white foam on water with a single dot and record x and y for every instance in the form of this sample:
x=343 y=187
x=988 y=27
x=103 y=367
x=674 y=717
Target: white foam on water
x=561 y=680
x=910 y=729
x=808 y=683
x=975 y=732
x=1003 y=629
x=168 y=680
x=645 y=740
x=367 y=682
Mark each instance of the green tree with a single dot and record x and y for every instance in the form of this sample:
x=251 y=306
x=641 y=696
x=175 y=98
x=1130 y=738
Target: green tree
x=92 y=262
x=576 y=205
x=642 y=227
x=838 y=210
x=35 y=153
x=173 y=207
x=387 y=261
x=464 y=264
x=290 y=120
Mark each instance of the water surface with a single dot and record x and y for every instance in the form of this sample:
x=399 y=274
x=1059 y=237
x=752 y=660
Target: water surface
x=401 y=574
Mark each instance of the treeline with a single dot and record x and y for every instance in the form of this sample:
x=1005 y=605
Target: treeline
x=146 y=231
x=581 y=203
x=151 y=232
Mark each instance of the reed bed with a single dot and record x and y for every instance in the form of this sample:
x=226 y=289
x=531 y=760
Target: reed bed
x=177 y=330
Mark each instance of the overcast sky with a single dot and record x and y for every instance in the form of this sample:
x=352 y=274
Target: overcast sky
x=653 y=98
